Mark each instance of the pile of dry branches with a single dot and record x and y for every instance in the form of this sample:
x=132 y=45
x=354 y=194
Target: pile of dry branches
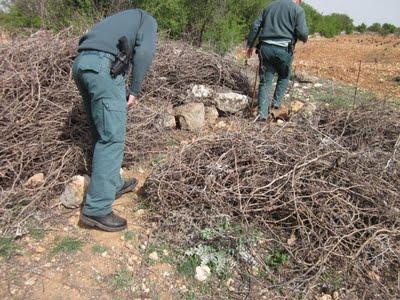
x=178 y=66
x=43 y=127
x=327 y=187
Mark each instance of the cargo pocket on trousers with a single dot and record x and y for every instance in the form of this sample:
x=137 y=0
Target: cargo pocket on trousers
x=284 y=63
x=114 y=121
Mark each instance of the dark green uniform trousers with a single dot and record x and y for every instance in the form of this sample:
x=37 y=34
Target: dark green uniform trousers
x=274 y=59
x=104 y=99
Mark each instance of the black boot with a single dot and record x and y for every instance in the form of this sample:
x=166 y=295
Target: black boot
x=110 y=222
x=129 y=186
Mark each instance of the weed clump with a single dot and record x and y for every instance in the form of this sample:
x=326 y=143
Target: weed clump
x=67 y=245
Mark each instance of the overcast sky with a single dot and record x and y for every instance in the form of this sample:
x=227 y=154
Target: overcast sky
x=367 y=11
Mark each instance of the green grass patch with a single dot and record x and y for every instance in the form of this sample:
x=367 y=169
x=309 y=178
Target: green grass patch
x=7 y=247
x=122 y=279
x=67 y=245
x=339 y=95
x=165 y=254
x=99 y=249
x=190 y=295
x=37 y=234
x=333 y=280
x=187 y=266
x=129 y=235
x=208 y=234
x=277 y=258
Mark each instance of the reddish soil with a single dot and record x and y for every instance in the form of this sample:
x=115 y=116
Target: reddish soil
x=339 y=58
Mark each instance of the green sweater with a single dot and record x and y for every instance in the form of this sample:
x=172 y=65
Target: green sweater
x=141 y=31
x=281 y=20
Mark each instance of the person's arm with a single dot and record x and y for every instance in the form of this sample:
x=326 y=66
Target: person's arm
x=301 y=26
x=144 y=49
x=254 y=31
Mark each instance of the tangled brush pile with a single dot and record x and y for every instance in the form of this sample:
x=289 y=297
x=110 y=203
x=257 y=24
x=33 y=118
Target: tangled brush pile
x=332 y=189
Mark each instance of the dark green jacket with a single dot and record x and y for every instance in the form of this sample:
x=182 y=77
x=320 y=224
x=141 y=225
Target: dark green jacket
x=139 y=27
x=281 y=20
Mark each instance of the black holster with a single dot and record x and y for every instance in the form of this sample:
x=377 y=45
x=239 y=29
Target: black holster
x=121 y=64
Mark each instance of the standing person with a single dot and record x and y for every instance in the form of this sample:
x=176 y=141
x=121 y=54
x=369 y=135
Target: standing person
x=279 y=26
x=106 y=53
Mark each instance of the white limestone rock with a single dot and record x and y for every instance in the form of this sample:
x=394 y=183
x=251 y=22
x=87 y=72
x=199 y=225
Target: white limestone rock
x=169 y=121
x=35 y=181
x=191 y=116
x=75 y=191
x=303 y=77
x=201 y=91
x=211 y=115
x=202 y=273
x=231 y=102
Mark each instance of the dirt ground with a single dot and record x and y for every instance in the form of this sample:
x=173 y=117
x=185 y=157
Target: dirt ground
x=104 y=266
x=339 y=58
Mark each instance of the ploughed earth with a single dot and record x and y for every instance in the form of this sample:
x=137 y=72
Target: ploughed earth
x=339 y=58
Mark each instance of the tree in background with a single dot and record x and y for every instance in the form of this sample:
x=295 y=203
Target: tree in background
x=218 y=23
x=344 y=22
x=21 y=14
x=388 y=29
x=376 y=27
x=171 y=15
x=313 y=17
x=361 y=28
x=221 y=23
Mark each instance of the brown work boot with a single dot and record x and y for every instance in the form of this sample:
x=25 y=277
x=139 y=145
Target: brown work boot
x=110 y=222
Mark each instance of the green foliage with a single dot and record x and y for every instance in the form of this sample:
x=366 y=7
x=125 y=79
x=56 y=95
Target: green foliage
x=218 y=260
x=7 y=247
x=277 y=258
x=330 y=25
x=361 y=28
x=99 y=249
x=333 y=280
x=190 y=295
x=20 y=16
x=67 y=245
x=187 y=266
x=384 y=29
x=129 y=235
x=344 y=22
x=220 y=24
x=122 y=279
x=170 y=14
x=207 y=234
x=388 y=29
x=313 y=18
x=37 y=233
x=376 y=27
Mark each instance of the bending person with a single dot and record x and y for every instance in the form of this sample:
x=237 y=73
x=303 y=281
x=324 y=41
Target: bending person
x=117 y=43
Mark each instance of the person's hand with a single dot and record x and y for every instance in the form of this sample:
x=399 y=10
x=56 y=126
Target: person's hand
x=132 y=101
x=250 y=52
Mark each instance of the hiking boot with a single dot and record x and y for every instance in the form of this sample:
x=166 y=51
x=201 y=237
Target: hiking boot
x=110 y=222
x=262 y=120
x=129 y=186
